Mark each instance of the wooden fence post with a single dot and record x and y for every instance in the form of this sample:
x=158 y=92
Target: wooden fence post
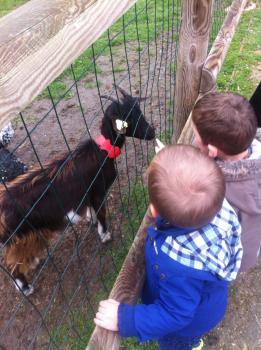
x=215 y=59
x=192 y=52
x=220 y=47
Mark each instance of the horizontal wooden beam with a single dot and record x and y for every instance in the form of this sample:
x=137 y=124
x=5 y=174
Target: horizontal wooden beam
x=42 y=38
x=220 y=47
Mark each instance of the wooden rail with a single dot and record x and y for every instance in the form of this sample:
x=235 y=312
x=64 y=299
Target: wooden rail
x=193 y=46
x=131 y=277
x=219 y=49
x=43 y=37
x=126 y=288
x=216 y=57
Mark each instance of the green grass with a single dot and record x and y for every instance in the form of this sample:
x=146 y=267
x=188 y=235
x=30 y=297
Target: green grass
x=92 y=84
x=243 y=55
x=137 y=33
x=142 y=23
x=7 y=6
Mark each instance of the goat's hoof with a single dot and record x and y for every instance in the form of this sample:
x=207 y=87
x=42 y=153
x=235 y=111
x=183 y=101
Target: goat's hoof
x=91 y=216
x=34 y=263
x=73 y=217
x=27 y=290
x=107 y=236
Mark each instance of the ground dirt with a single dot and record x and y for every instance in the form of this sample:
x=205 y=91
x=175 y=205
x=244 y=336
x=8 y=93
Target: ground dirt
x=241 y=328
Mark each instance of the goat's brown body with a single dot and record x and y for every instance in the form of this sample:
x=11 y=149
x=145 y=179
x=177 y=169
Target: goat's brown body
x=35 y=205
x=27 y=222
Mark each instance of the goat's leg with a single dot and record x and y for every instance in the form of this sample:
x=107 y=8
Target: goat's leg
x=23 y=255
x=100 y=210
x=91 y=215
x=18 y=265
x=73 y=217
x=21 y=283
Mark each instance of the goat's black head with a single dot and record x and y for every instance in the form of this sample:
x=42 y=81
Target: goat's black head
x=127 y=118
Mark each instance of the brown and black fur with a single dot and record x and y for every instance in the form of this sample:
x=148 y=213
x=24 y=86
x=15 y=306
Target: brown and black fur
x=35 y=204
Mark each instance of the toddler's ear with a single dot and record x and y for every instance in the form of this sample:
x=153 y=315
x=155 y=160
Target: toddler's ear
x=212 y=151
x=153 y=211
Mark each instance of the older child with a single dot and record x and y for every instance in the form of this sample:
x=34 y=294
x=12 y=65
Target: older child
x=225 y=126
x=192 y=253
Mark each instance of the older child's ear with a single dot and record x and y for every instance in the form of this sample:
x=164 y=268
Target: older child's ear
x=212 y=151
x=153 y=210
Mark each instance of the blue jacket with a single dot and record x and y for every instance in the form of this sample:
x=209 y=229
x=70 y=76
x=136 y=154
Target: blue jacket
x=176 y=298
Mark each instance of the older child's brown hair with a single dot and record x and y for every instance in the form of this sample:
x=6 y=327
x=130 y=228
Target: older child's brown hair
x=186 y=187
x=226 y=121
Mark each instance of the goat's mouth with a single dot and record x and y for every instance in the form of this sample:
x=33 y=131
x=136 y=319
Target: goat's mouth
x=147 y=134
x=150 y=134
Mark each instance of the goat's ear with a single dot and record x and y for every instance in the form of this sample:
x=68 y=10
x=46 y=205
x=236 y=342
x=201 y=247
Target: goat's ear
x=123 y=92
x=119 y=126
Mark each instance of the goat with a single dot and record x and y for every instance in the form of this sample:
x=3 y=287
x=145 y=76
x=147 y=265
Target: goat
x=36 y=204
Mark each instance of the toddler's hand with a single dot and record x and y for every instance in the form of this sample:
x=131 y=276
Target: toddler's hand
x=159 y=146
x=107 y=315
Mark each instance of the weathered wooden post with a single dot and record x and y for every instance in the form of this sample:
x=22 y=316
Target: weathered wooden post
x=216 y=56
x=192 y=53
x=220 y=47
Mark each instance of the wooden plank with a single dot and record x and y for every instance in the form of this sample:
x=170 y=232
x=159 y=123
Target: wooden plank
x=220 y=47
x=193 y=46
x=29 y=27
x=31 y=64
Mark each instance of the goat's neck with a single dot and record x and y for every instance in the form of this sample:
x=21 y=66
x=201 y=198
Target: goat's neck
x=108 y=132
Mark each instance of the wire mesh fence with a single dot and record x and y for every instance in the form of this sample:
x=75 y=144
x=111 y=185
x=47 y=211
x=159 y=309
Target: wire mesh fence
x=76 y=270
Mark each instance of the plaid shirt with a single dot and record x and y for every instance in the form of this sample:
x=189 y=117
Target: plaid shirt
x=215 y=247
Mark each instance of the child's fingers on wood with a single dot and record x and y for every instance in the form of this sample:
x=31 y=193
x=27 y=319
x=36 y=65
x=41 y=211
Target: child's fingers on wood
x=100 y=315
x=102 y=309
x=113 y=301
x=104 y=303
x=99 y=323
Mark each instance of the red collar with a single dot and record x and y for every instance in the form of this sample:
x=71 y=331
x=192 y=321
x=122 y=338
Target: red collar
x=105 y=144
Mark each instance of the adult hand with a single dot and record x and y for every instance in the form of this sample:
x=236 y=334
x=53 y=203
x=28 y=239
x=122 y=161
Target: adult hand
x=107 y=315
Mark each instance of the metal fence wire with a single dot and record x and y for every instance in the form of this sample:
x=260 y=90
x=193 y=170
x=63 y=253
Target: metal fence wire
x=138 y=54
